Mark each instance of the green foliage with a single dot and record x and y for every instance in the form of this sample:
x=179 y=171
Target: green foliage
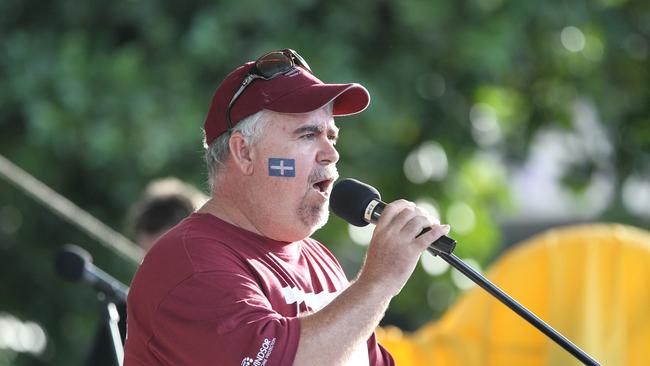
x=98 y=98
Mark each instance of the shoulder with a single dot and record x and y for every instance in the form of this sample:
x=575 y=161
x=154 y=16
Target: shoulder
x=191 y=251
x=193 y=246
x=198 y=244
x=316 y=247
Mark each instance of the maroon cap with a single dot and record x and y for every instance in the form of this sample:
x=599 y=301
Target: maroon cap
x=295 y=92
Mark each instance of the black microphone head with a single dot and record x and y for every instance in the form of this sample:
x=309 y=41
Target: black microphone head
x=350 y=198
x=71 y=261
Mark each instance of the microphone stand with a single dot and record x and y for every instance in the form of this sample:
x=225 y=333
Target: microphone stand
x=112 y=318
x=75 y=264
x=444 y=247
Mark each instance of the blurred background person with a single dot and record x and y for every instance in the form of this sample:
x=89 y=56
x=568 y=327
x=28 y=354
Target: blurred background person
x=164 y=203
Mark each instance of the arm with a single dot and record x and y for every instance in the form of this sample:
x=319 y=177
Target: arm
x=329 y=336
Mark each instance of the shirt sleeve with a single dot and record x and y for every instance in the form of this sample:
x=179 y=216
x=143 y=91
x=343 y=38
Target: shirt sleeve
x=221 y=318
x=378 y=355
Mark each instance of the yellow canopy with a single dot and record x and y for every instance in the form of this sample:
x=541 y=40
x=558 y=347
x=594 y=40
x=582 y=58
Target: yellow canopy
x=591 y=283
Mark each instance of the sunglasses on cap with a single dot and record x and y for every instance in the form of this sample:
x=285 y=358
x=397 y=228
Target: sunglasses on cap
x=267 y=67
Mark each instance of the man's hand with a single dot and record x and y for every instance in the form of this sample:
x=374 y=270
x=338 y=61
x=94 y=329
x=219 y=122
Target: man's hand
x=395 y=246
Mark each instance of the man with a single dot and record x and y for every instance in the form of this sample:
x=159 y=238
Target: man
x=240 y=282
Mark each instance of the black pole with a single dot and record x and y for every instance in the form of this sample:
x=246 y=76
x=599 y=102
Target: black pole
x=538 y=323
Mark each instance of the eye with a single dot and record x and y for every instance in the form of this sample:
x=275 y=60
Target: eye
x=308 y=136
x=332 y=138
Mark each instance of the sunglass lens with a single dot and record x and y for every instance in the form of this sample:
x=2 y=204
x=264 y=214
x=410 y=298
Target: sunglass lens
x=273 y=63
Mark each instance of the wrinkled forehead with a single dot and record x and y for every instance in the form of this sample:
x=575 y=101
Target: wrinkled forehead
x=321 y=118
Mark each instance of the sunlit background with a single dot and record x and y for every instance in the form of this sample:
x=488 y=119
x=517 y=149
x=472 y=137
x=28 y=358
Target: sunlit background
x=502 y=118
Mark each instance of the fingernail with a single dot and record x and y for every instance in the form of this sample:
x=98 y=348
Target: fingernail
x=446 y=228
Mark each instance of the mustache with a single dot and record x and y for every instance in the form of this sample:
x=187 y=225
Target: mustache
x=323 y=173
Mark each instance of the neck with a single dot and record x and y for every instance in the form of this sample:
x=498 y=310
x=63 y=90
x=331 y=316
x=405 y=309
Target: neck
x=223 y=205
x=237 y=201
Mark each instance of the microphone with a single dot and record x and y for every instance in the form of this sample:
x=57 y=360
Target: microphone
x=360 y=204
x=75 y=264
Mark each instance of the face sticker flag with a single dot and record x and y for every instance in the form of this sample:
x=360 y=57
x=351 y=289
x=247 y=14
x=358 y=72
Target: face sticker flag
x=279 y=167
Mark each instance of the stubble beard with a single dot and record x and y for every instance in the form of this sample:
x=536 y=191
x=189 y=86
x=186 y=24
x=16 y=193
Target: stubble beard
x=313 y=216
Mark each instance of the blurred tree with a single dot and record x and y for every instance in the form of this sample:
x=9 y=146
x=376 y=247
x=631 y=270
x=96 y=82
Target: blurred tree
x=98 y=98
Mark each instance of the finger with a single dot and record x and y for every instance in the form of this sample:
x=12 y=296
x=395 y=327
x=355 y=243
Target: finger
x=415 y=226
x=426 y=239
x=434 y=220
x=397 y=213
x=420 y=225
x=404 y=217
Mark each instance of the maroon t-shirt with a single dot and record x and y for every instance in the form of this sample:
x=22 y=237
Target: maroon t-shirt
x=210 y=293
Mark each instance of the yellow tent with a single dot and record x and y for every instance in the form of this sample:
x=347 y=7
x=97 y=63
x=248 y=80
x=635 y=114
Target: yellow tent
x=591 y=283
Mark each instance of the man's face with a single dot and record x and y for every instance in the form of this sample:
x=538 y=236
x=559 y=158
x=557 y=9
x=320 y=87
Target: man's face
x=294 y=168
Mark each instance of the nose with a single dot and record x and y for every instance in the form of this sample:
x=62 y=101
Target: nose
x=327 y=153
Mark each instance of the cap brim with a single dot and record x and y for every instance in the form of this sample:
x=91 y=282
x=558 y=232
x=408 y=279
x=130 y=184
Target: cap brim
x=348 y=99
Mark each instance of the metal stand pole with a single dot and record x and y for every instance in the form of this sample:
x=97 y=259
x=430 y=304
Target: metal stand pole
x=112 y=318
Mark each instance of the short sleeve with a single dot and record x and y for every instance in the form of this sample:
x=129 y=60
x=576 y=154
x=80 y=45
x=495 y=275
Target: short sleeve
x=216 y=318
x=379 y=356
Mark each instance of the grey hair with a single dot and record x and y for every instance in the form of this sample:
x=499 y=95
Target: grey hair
x=251 y=128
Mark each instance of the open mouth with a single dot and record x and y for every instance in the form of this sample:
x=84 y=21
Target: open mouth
x=323 y=185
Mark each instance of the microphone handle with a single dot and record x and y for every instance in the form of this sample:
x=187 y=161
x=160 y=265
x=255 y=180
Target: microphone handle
x=443 y=244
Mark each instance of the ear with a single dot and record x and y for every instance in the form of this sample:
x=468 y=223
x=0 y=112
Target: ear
x=241 y=153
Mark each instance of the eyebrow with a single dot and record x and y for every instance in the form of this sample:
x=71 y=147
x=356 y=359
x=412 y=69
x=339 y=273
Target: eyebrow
x=314 y=129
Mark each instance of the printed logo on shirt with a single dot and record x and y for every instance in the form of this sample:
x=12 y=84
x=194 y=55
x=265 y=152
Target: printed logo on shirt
x=314 y=301
x=262 y=356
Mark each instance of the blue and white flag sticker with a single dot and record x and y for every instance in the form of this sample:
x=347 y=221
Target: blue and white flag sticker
x=279 y=167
